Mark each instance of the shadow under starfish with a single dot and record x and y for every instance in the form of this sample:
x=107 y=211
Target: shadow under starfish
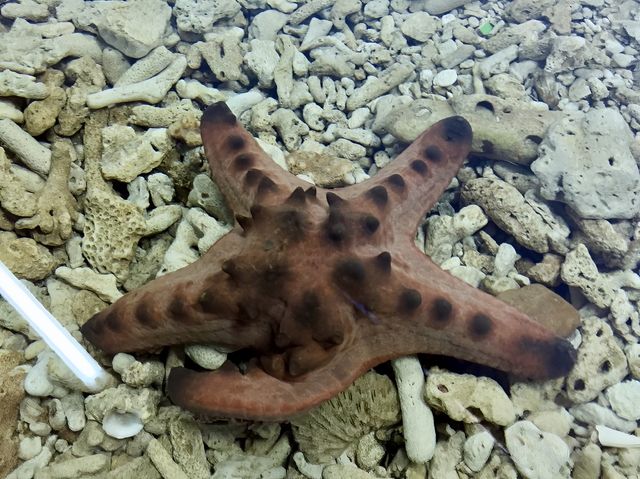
x=320 y=285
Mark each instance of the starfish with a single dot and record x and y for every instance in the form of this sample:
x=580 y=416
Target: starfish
x=320 y=285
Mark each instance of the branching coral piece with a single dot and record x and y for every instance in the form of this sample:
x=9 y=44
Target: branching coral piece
x=56 y=207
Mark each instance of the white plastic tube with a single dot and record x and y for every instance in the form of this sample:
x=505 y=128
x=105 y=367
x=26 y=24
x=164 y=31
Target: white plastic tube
x=77 y=359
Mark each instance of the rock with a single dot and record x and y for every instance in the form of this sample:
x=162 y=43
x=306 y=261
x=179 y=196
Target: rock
x=633 y=357
x=442 y=232
x=624 y=398
x=586 y=161
x=104 y=285
x=436 y=7
x=39 y=116
x=468 y=398
x=205 y=355
x=224 y=56
x=557 y=421
x=24 y=257
x=420 y=26
x=587 y=462
x=593 y=414
x=477 y=449
x=369 y=451
x=136 y=373
x=568 y=53
x=163 y=461
x=345 y=471
x=445 y=78
x=545 y=307
x=207 y=195
x=447 y=456
x=73 y=406
x=188 y=448
x=199 y=16
x=322 y=168
x=127 y=154
x=537 y=454
x=126 y=25
x=580 y=271
x=375 y=87
x=418 y=426
x=600 y=362
x=77 y=467
x=602 y=240
x=530 y=222
x=501 y=128
x=32 y=49
x=11 y=394
x=151 y=90
x=31 y=153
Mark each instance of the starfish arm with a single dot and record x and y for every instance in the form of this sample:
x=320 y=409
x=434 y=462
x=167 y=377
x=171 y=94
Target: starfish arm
x=411 y=184
x=256 y=395
x=245 y=174
x=441 y=314
x=195 y=304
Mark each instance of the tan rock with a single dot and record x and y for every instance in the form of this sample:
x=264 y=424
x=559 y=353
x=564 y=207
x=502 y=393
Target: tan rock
x=11 y=394
x=24 y=257
x=544 y=306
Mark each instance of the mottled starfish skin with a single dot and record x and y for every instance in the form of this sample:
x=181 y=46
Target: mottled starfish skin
x=321 y=285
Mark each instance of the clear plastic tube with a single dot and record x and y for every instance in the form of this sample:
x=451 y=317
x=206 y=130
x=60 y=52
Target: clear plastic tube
x=70 y=351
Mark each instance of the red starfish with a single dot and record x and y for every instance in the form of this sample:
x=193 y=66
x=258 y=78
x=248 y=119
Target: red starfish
x=320 y=285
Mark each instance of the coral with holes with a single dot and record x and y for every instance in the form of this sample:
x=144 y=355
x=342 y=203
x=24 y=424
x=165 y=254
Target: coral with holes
x=320 y=285
x=113 y=226
x=369 y=404
x=600 y=364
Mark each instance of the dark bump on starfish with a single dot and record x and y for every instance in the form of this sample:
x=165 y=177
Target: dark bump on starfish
x=419 y=167
x=333 y=199
x=235 y=142
x=144 y=316
x=297 y=197
x=282 y=340
x=349 y=272
x=243 y=162
x=231 y=268
x=292 y=223
x=480 y=325
x=457 y=129
x=370 y=224
x=409 y=301
x=219 y=112
x=245 y=222
x=253 y=176
x=178 y=308
x=383 y=262
x=396 y=181
x=433 y=153
x=378 y=194
x=335 y=227
x=442 y=309
x=112 y=321
x=558 y=354
x=311 y=192
x=256 y=211
x=273 y=276
x=208 y=302
x=266 y=185
x=308 y=312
